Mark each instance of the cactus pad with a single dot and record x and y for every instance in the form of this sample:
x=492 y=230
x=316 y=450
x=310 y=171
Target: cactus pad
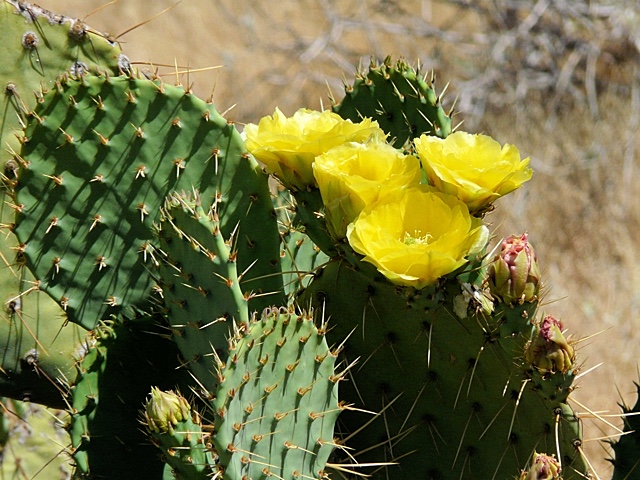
x=37 y=347
x=101 y=153
x=404 y=104
x=627 y=448
x=123 y=359
x=277 y=402
x=451 y=383
x=200 y=283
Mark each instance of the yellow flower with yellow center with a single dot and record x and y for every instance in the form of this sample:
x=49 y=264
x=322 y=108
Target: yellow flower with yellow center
x=355 y=175
x=474 y=168
x=289 y=146
x=418 y=236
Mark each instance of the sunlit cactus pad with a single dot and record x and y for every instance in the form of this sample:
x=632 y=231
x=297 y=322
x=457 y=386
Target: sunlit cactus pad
x=199 y=281
x=400 y=98
x=37 y=348
x=100 y=155
x=278 y=400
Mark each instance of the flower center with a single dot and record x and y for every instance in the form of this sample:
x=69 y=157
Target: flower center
x=416 y=238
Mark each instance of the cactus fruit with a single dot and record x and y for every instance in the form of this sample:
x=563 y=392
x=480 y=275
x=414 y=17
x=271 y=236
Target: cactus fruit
x=37 y=46
x=177 y=431
x=277 y=402
x=399 y=98
x=514 y=273
x=100 y=154
x=199 y=281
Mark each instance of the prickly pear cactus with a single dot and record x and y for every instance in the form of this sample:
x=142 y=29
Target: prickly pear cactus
x=450 y=371
x=37 y=346
x=627 y=449
x=451 y=382
x=37 y=46
x=122 y=360
x=198 y=273
x=277 y=402
x=99 y=156
x=399 y=98
x=177 y=431
x=451 y=354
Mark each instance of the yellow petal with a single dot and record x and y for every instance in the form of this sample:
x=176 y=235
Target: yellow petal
x=417 y=236
x=353 y=176
x=289 y=146
x=475 y=168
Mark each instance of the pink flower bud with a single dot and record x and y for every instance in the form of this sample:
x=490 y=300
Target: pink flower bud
x=514 y=274
x=549 y=350
x=544 y=467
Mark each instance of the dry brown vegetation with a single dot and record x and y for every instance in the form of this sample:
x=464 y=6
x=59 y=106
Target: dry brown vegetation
x=558 y=78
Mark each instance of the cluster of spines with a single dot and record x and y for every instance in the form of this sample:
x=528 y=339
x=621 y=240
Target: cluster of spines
x=277 y=402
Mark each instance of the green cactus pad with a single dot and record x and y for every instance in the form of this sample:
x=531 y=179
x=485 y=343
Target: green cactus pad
x=123 y=359
x=199 y=282
x=177 y=431
x=37 y=347
x=277 y=402
x=455 y=397
x=37 y=46
x=299 y=256
x=404 y=104
x=102 y=153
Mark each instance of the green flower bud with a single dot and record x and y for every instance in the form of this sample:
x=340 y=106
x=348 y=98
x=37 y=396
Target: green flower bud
x=514 y=274
x=549 y=350
x=544 y=467
x=163 y=410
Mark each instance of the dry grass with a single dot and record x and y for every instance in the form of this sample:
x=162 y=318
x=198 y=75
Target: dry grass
x=557 y=78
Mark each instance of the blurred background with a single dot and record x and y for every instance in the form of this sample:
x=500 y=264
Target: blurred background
x=560 y=79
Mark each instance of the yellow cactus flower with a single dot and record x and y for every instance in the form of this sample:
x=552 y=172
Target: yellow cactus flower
x=474 y=168
x=288 y=146
x=418 y=236
x=355 y=175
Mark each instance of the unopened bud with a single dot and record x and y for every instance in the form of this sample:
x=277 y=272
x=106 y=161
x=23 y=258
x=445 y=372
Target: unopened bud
x=544 y=467
x=549 y=350
x=514 y=274
x=163 y=410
